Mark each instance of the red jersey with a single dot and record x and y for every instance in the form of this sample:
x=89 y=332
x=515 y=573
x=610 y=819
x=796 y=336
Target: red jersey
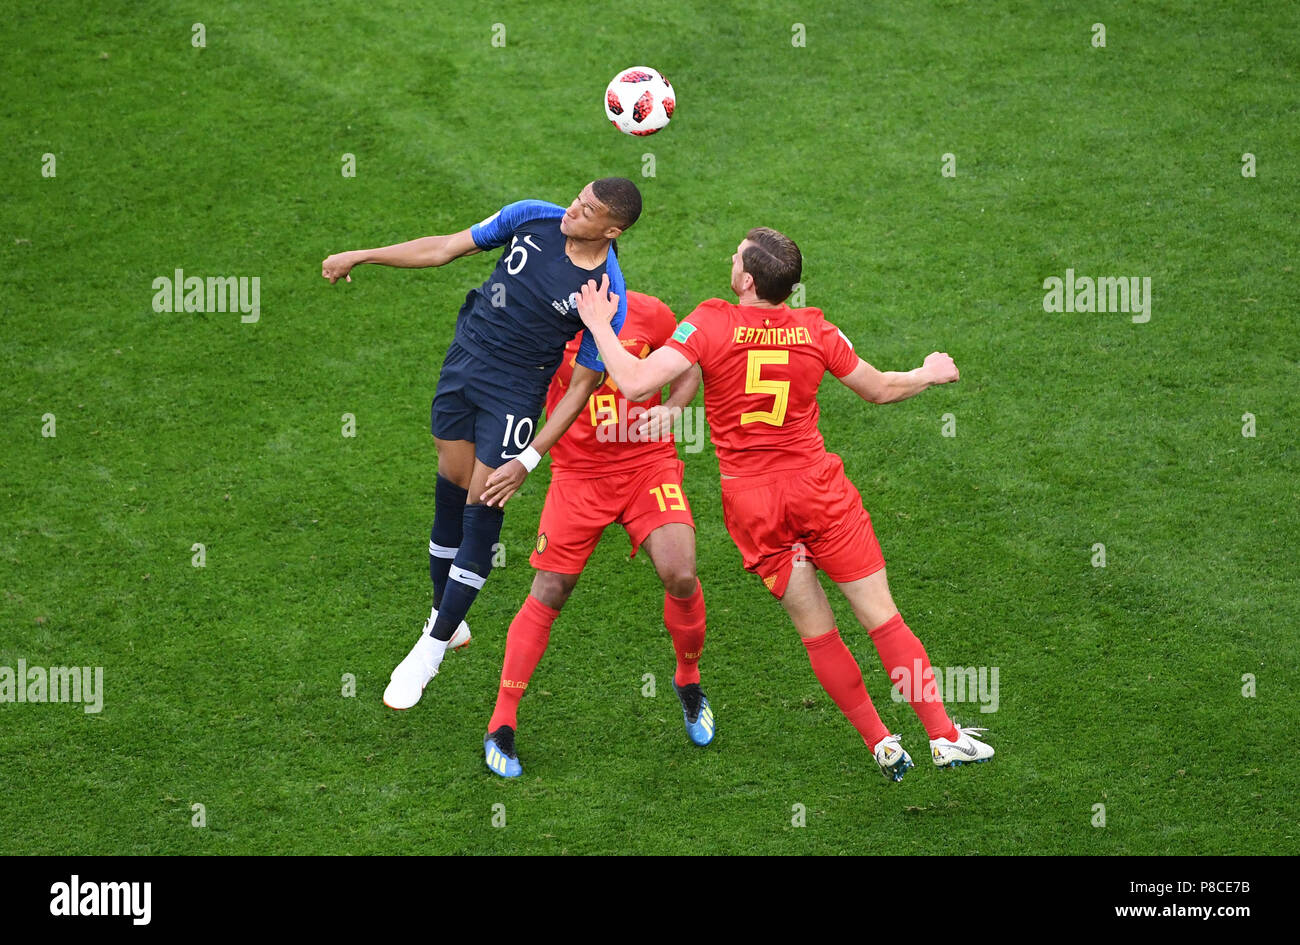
x=603 y=437
x=762 y=368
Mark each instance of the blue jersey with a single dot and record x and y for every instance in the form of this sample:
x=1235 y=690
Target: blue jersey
x=527 y=310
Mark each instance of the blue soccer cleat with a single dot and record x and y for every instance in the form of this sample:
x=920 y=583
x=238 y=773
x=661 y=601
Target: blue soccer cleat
x=697 y=712
x=499 y=752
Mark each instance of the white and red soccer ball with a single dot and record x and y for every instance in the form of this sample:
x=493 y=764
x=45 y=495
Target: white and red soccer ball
x=640 y=101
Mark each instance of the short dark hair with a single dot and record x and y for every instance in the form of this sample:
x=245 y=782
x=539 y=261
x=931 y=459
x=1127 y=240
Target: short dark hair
x=774 y=261
x=621 y=197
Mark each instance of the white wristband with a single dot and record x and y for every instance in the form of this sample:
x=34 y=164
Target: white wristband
x=530 y=458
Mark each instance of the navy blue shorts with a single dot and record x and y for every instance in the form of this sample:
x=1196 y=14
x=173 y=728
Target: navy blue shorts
x=478 y=402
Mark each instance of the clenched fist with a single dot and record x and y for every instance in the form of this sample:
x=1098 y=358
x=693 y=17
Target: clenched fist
x=940 y=368
x=338 y=266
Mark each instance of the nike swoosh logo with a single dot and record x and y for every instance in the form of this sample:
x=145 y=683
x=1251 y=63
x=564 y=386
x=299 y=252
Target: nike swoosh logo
x=969 y=752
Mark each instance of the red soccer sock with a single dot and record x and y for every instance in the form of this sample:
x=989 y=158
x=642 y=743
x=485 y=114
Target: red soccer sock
x=684 y=618
x=526 y=641
x=840 y=676
x=909 y=668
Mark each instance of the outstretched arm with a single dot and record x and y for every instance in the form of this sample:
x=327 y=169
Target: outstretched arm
x=508 y=477
x=887 y=387
x=637 y=378
x=413 y=254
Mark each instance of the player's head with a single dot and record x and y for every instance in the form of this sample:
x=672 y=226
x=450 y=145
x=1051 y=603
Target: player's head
x=603 y=210
x=766 y=263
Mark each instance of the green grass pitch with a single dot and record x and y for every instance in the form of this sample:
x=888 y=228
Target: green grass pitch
x=1125 y=686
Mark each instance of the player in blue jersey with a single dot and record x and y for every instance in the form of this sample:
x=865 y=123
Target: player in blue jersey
x=510 y=338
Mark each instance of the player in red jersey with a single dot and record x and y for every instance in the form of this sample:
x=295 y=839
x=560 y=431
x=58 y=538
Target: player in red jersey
x=786 y=501
x=605 y=470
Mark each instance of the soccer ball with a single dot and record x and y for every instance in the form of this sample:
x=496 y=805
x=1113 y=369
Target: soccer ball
x=639 y=101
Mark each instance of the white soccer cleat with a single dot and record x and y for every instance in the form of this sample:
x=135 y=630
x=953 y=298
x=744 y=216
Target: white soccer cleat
x=407 y=682
x=893 y=760
x=459 y=640
x=965 y=750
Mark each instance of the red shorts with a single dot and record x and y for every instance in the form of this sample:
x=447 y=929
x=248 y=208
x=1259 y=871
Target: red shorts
x=577 y=512
x=813 y=516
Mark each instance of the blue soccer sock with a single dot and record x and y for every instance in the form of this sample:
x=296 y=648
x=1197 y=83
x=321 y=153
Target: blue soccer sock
x=470 y=568
x=445 y=536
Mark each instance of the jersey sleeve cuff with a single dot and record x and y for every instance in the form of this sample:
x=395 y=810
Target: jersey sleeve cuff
x=681 y=349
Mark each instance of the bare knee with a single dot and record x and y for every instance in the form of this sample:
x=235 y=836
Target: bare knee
x=455 y=461
x=870 y=598
x=553 y=588
x=676 y=569
x=680 y=581
x=875 y=618
x=806 y=603
x=875 y=611
x=454 y=476
x=672 y=549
